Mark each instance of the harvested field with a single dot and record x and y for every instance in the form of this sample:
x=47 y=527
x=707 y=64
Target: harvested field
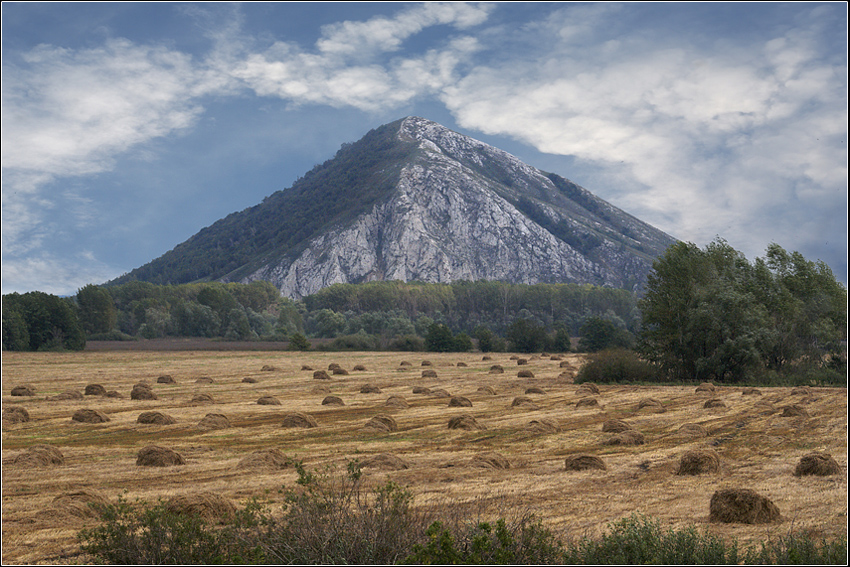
x=757 y=449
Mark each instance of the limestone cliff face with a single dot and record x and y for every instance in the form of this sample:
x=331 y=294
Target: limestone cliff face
x=463 y=210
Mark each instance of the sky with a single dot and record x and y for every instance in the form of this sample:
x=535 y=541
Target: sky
x=128 y=127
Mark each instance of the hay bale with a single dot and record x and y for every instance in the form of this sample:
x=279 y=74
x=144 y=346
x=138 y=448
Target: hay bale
x=385 y=461
x=524 y=402
x=535 y=390
x=306 y=367
x=114 y=394
x=23 y=391
x=521 y=361
x=82 y=504
x=66 y=395
x=497 y=369
x=543 y=425
x=142 y=391
x=713 y=403
x=298 y=419
x=208 y=506
x=765 y=407
x=794 y=410
x=615 y=426
x=801 y=391
x=651 y=404
x=40 y=456
x=322 y=389
x=459 y=402
x=426 y=363
x=742 y=506
x=321 y=375
x=584 y=462
x=370 y=389
x=268 y=368
x=699 y=461
x=486 y=390
x=525 y=374
x=627 y=437
x=200 y=399
x=339 y=371
x=514 y=357
x=396 y=402
x=214 y=421
x=440 y=393
x=485 y=357
x=429 y=373
x=359 y=368
x=165 y=379
x=249 y=380
x=333 y=366
x=268 y=401
x=565 y=364
x=404 y=363
x=693 y=430
x=818 y=464
x=333 y=401
x=204 y=380
x=465 y=422
x=382 y=422
x=462 y=365
x=15 y=414
x=588 y=386
x=750 y=392
x=94 y=390
x=491 y=460
x=89 y=416
x=155 y=418
x=421 y=390
x=706 y=387
x=271 y=459
x=588 y=402
x=155 y=456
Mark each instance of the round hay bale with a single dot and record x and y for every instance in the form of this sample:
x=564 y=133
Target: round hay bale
x=427 y=363
x=94 y=390
x=491 y=460
x=339 y=371
x=142 y=391
x=459 y=402
x=204 y=380
x=333 y=365
x=627 y=437
x=486 y=390
x=165 y=379
x=114 y=394
x=750 y=392
x=249 y=380
x=359 y=368
x=23 y=391
x=421 y=390
x=155 y=418
x=200 y=399
x=155 y=456
x=615 y=426
x=462 y=365
x=497 y=369
x=404 y=363
x=306 y=367
x=706 y=387
x=396 y=402
x=693 y=430
x=818 y=464
x=429 y=373
x=521 y=361
x=214 y=421
x=485 y=357
x=543 y=425
x=268 y=401
x=40 y=456
x=15 y=414
x=66 y=395
x=385 y=461
x=713 y=403
x=801 y=391
x=524 y=402
x=440 y=393
x=465 y=422
x=382 y=423
x=565 y=364
x=79 y=504
x=535 y=390
x=584 y=462
x=794 y=410
x=588 y=386
x=333 y=401
x=208 y=506
x=587 y=402
x=321 y=375
x=525 y=374
x=298 y=419
x=268 y=368
x=322 y=389
x=514 y=357
x=651 y=404
x=742 y=506
x=272 y=459
x=89 y=416
x=370 y=389
x=699 y=461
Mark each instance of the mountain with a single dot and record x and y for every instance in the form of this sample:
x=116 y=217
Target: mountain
x=413 y=200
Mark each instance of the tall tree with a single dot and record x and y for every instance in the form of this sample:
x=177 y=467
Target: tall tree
x=97 y=309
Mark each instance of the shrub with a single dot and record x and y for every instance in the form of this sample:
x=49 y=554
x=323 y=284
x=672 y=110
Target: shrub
x=297 y=341
x=616 y=365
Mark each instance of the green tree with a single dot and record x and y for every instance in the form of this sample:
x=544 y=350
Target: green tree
x=51 y=322
x=600 y=334
x=527 y=336
x=16 y=335
x=97 y=309
x=439 y=339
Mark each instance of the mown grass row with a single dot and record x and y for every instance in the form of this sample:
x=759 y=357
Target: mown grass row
x=333 y=518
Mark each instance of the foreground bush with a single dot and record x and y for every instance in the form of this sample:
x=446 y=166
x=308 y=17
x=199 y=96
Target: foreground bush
x=616 y=366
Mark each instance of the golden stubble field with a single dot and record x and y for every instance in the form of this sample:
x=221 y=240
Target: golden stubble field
x=758 y=447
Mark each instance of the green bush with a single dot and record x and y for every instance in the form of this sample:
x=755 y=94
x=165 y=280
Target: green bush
x=797 y=549
x=617 y=366
x=297 y=341
x=357 y=341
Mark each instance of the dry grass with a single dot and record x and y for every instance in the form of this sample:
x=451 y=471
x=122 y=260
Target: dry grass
x=758 y=449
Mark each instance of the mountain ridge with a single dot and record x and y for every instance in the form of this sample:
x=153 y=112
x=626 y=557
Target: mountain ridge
x=413 y=200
